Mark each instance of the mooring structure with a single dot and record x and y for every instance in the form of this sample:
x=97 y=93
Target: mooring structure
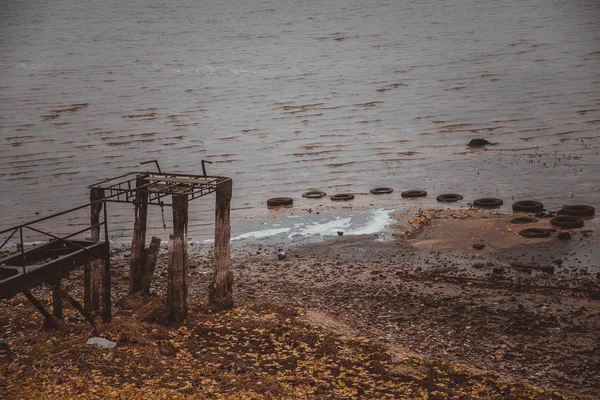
x=50 y=262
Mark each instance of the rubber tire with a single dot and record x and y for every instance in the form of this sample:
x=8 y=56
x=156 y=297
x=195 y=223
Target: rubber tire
x=314 y=194
x=579 y=210
x=280 y=201
x=488 y=202
x=567 y=222
x=535 y=233
x=449 y=198
x=342 y=197
x=382 y=190
x=413 y=193
x=527 y=206
x=523 y=220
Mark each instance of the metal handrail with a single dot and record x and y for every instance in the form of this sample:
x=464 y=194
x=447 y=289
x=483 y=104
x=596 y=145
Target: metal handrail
x=164 y=174
x=19 y=228
x=64 y=239
x=52 y=216
x=116 y=190
x=8 y=238
x=122 y=191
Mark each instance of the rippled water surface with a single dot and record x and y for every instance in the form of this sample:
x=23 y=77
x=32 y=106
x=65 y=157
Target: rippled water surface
x=286 y=96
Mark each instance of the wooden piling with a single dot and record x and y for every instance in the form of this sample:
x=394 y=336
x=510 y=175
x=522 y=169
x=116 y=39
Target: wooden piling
x=177 y=290
x=138 y=241
x=87 y=281
x=151 y=256
x=57 y=309
x=220 y=294
x=91 y=296
x=106 y=290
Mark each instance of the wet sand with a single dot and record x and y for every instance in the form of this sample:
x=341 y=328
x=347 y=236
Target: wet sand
x=435 y=295
x=428 y=292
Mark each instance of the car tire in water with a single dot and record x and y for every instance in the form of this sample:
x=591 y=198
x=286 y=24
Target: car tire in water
x=449 y=198
x=413 y=193
x=488 y=202
x=280 y=201
x=342 y=197
x=567 y=222
x=527 y=206
x=579 y=210
x=382 y=190
x=314 y=194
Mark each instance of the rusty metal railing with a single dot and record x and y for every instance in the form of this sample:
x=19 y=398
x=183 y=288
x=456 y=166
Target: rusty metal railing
x=62 y=239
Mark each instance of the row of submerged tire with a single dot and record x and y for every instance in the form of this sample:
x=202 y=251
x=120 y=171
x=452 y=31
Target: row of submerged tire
x=318 y=194
x=568 y=217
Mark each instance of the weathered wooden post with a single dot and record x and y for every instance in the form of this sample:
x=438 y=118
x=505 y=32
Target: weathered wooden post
x=177 y=290
x=138 y=241
x=151 y=255
x=220 y=294
x=91 y=296
x=106 y=296
x=57 y=309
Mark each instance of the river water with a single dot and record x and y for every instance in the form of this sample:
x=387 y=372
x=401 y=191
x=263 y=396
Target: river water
x=287 y=96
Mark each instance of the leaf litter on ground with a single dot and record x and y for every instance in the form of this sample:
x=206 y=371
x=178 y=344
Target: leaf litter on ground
x=257 y=350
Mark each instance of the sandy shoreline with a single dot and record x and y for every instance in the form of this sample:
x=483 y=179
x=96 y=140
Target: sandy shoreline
x=430 y=293
x=397 y=291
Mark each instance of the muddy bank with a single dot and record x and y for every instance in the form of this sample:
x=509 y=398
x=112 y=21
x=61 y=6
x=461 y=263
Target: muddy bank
x=431 y=294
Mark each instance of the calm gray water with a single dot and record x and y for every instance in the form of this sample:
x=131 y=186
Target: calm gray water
x=286 y=96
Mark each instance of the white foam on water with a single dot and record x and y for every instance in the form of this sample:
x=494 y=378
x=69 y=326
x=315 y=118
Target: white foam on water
x=329 y=228
x=262 y=234
x=381 y=219
x=352 y=223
